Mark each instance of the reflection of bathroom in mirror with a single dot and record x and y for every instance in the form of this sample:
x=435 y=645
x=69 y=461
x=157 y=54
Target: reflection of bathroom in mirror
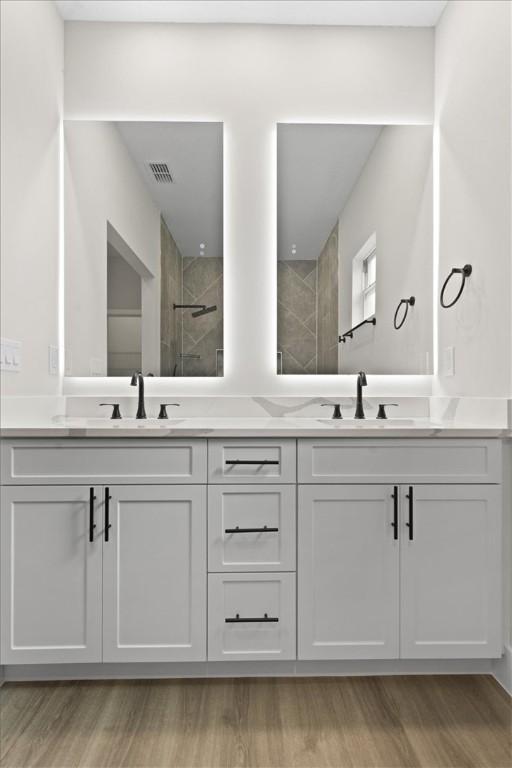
x=354 y=245
x=143 y=248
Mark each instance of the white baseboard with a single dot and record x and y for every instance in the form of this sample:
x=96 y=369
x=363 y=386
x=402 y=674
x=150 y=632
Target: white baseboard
x=205 y=669
x=502 y=669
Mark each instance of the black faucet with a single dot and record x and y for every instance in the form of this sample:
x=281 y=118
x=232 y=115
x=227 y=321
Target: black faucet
x=361 y=382
x=138 y=378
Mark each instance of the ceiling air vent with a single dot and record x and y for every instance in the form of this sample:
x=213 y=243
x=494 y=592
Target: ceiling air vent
x=161 y=173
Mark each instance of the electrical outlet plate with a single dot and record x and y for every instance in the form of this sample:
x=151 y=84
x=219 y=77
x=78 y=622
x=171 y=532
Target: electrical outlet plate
x=10 y=355
x=53 y=360
x=96 y=366
x=449 y=361
x=68 y=363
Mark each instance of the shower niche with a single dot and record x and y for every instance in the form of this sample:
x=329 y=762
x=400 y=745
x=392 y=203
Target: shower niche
x=143 y=223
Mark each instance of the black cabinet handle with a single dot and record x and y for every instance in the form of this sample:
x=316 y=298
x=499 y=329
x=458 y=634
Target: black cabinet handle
x=92 y=525
x=256 y=620
x=265 y=529
x=108 y=524
x=394 y=524
x=410 y=522
x=235 y=462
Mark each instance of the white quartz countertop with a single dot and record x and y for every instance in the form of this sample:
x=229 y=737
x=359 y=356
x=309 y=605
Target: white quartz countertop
x=76 y=427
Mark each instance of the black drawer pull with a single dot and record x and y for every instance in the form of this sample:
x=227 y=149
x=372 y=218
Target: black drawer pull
x=92 y=524
x=237 y=620
x=108 y=524
x=265 y=529
x=410 y=522
x=235 y=462
x=394 y=524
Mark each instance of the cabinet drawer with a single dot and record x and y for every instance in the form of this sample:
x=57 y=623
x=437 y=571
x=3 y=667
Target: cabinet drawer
x=251 y=616
x=251 y=461
x=251 y=528
x=59 y=462
x=399 y=461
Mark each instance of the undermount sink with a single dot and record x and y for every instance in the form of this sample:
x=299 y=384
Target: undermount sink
x=128 y=422
x=369 y=422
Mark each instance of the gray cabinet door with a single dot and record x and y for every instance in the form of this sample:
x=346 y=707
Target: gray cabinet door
x=451 y=602
x=51 y=575
x=154 y=574
x=348 y=573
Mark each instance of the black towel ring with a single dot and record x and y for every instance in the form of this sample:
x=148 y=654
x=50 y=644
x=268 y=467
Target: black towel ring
x=408 y=303
x=465 y=271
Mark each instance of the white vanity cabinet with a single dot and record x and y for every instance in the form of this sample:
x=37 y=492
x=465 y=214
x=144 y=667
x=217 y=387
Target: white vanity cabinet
x=110 y=571
x=405 y=570
x=262 y=549
x=427 y=587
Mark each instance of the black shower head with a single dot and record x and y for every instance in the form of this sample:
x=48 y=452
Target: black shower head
x=204 y=311
x=201 y=309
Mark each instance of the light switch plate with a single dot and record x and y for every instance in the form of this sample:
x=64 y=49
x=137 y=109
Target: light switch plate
x=10 y=355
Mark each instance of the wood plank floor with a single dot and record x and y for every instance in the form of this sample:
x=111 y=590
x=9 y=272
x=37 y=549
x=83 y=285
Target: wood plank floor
x=386 y=722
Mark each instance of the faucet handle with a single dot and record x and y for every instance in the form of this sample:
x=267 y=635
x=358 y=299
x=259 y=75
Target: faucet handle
x=163 y=410
x=382 y=409
x=337 y=409
x=116 y=413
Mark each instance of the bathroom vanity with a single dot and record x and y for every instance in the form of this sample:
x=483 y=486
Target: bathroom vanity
x=207 y=549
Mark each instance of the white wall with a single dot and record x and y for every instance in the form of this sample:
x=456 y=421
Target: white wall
x=393 y=198
x=102 y=184
x=473 y=93
x=250 y=77
x=31 y=103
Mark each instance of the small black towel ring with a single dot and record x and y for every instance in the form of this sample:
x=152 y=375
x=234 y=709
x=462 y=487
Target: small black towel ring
x=408 y=303
x=465 y=272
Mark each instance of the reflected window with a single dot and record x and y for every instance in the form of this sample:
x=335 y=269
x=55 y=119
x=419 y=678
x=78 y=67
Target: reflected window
x=369 y=284
x=364 y=281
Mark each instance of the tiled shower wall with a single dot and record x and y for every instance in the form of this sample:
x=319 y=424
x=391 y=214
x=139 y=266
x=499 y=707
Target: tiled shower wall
x=296 y=315
x=189 y=281
x=307 y=311
x=327 y=306
x=171 y=292
x=203 y=336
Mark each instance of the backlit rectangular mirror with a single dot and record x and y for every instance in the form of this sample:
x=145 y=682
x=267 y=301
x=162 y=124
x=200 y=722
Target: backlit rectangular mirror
x=143 y=220
x=354 y=249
